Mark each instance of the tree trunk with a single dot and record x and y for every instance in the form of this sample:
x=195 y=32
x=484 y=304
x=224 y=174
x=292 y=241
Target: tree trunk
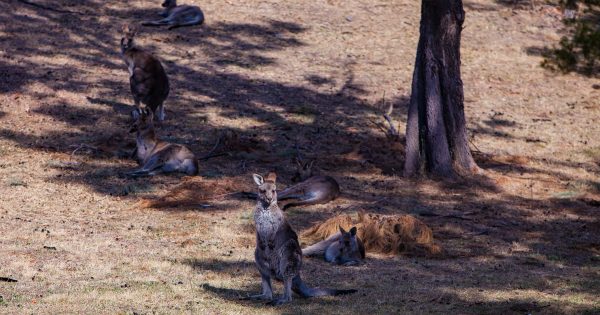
x=436 y=134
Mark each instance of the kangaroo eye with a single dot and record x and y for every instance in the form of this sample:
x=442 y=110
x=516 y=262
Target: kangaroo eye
x=262 y=190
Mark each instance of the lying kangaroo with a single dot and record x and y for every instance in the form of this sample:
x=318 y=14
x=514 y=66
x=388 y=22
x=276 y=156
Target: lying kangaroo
x=344 y=248
x=178 y=16
x=147 y=78
x=157 y=156
x=311 y=190
x=278 y=252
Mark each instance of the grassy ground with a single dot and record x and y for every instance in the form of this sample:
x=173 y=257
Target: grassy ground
x=269 y=77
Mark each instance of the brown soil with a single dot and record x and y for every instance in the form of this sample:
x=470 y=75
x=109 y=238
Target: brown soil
x=270 y=78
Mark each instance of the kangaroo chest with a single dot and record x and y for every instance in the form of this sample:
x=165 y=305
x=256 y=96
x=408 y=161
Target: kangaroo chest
x=130 y=64
x=267 y=223
x=144 y=149
x=130 y=67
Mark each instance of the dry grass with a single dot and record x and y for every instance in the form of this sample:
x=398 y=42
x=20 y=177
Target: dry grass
x=386 y=234
x=269 y=77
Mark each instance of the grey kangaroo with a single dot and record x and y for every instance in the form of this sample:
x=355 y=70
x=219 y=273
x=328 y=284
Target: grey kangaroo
x=178 y=16
x=310 y=190
x=344 y=248
x=147 y=78
x=157 y=156
x=278 y=254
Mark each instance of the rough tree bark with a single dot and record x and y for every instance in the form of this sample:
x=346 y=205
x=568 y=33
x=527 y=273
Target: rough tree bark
x=436 y=134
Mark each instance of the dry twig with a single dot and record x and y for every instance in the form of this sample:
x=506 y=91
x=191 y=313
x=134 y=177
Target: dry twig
x=83 y=146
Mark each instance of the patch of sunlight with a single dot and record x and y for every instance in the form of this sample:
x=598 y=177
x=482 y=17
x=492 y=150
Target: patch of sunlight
x=492 y=295
x=301 y=119
x=229 y=121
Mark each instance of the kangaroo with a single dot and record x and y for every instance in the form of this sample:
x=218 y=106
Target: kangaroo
x=310 y=190
x=157 y=156
x=147 y=78
x=278 y=254
x=343 y=248
x=178 y=16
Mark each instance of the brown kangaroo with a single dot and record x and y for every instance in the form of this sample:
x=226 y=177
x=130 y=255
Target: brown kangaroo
x=343 y=248
x=178 y=16
x=157 y=156
x=310 y=190
x=147 y=78
x=278 y=252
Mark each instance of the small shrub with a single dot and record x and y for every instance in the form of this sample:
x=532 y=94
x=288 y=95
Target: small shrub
x=580 y=49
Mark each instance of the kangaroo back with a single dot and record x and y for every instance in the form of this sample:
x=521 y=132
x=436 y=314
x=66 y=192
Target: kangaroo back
x=315 y=190
x=178 y=16
x=147 y=78
x=319 y=248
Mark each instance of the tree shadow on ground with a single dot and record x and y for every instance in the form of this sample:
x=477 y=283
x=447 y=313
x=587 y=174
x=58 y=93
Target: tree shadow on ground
x=293 y=116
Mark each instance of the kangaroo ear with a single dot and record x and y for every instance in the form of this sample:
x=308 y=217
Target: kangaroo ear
x=299 y=163
x=272 y=176
x=353 y=231
x=309 y=165
x=342 y=230
x=258 y=179
x=129 y=29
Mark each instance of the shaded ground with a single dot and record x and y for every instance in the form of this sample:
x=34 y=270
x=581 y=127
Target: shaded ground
x=272 y=78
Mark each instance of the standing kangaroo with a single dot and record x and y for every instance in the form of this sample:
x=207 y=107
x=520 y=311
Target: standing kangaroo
x=147 y=78
x=344 y=248
x=310 y=190
x=278 y=252
x=178 y=16
x=157 y=156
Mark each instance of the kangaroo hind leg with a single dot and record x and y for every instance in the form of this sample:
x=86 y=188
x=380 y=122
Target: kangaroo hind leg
x=267 y=290
x=302 y=202
x=194 y=21
x=150 y=168
x=156 y=23
x=287 y=293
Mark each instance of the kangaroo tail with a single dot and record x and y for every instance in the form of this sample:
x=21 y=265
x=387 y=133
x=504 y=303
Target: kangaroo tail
x=299 y=202
x=303 y=290
x=154 y=23
x=320 y=247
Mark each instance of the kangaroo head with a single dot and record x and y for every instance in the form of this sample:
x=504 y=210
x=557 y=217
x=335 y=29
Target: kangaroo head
x=348 y=241
x=129 y=32
x=169 y=4
x=267 y=190
x=303 y=171
x=144 y=122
